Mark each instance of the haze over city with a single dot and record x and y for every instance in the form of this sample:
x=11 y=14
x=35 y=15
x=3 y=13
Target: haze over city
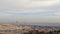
x=29 y=16
x=30 y=11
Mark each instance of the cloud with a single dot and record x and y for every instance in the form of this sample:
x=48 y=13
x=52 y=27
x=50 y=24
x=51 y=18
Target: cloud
x=2 y=13
x=26 y=4
x=29 y=8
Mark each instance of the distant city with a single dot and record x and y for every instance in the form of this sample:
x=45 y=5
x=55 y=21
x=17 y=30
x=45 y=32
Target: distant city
x=28 y=29
x=36 y=23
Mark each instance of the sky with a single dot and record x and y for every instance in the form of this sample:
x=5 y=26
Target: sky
x=30 y=10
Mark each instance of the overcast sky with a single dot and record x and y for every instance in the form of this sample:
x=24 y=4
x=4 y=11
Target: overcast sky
x=30 y=10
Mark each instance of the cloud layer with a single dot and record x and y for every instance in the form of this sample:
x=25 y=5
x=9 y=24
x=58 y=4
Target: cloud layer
x=29 y=8
x=25 y=4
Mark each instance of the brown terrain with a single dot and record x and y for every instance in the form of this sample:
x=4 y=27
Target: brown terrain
x=25 y=29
